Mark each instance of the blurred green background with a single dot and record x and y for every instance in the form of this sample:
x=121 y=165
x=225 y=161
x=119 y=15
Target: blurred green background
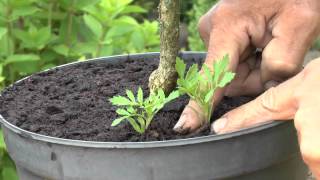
x=39 y=34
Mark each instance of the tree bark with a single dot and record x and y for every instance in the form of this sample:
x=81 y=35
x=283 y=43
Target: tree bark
x=165 y=76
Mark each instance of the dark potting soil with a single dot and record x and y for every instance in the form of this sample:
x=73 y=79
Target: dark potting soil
x=72 y=103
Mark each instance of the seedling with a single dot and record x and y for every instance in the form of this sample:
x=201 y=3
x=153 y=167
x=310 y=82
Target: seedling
x=139 y=111
x=201 y=86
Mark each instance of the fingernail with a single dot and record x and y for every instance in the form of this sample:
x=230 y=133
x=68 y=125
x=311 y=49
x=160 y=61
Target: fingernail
x=180 y=123
x=219 y=125
x=270 y=84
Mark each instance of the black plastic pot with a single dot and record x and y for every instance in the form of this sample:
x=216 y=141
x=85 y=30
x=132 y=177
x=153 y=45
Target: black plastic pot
x=268 y=151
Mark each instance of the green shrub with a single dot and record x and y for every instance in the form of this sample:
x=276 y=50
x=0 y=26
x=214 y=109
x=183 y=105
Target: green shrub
x=7 y=167
x=199 y=8
x=39 y=34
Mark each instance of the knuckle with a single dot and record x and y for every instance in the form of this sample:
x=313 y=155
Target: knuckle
x=283 y=69
x=268 y=100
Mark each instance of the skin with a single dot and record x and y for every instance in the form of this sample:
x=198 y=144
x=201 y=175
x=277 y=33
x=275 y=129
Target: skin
x=284 y=30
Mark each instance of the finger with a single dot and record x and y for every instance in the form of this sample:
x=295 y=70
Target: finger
x=190 y=119
x=233 y=43
x=292 y=37
x=246 y=82
x=277 y=103
x=307 y=124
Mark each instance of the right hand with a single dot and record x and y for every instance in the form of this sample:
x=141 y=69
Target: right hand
x=297 y=98
x=283 y=29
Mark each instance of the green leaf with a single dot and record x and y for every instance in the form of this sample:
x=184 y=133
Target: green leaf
x=120 y=101
x=192 y=72
x=173 y=95
x=23 y=63
x=84 y=3
x=130 y=95
x=133 y=9
x=140 y=95
x=131 y=110
x=48 y=66
x=161 y=94
x=142 y=122
x=135 y=126
x=119 y=30
x=228 y=77
x=207 y=72
x=220 y=66
x=94 y=25
x=209 y=96
x=9 y=173
x=180 y=67
x=61 y=49
x=137 y=40
x=3 y=31
x=6 y=45
x=23 y=11
x=122 y=112
x=2 y=78
x=2 y=144
x=19 y=58
x=118 y=121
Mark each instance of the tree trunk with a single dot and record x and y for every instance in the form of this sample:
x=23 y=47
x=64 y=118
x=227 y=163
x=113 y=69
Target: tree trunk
x=165 y=76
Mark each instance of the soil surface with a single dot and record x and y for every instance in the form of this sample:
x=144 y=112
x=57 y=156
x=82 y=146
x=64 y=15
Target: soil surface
x=72 y=103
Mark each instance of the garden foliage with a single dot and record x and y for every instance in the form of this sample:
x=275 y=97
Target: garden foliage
x=39 y=34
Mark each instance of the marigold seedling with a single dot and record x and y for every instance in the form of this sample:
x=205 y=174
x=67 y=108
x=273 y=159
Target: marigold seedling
x=139 y=111
x=201 y=86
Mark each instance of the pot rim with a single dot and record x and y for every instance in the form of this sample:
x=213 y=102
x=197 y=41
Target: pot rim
x=129 y=145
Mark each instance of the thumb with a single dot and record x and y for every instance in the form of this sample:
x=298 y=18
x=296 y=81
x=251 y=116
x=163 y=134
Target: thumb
x=277 y=103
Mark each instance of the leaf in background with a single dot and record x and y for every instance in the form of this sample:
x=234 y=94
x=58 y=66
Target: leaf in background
x=42 y=37
x=61 y=49
x=84 y=3
x=8 y=168
x=126 y=20
x=133 y=9
x=107 y=50
x=17 y=58
x=34 y=38
x=23 y=11
x=2 y=144
x=23 y=63
x=137 y=40
x=3 y=31
x=94 y=25
x=119 y=30
x=9 y=173
x=48 y=66
x=82 y=49
x=6 y=45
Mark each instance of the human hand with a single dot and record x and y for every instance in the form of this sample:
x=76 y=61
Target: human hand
x=283 y=29
x=297 y=98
